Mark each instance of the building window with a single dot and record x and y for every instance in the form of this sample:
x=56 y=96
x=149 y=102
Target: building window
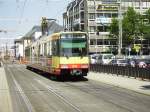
x=99 y=42
x=145 y=7
x=92 y=16
x=100 y=15
x=103 y=28
x=82 y=28
x=137 y=4
x=107 y=15
x=100 y=28
x=92 y=42
x=92 y=28
x=114 y=15
x=145 y=21
x=82 y=15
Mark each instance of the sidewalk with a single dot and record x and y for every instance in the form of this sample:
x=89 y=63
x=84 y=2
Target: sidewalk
x=5 y=99
x=124 y=82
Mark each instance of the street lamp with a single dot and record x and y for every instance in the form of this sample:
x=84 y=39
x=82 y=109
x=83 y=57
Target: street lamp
x=120 y=28
x=141 y=39
x=96 y=25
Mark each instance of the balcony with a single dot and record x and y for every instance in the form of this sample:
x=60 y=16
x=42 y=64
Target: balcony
x=103 y=20
x=104 y=33
x=91 y=22
x=91 y=10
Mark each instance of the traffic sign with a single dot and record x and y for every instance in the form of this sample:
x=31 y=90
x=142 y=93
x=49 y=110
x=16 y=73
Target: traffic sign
x=137 y=47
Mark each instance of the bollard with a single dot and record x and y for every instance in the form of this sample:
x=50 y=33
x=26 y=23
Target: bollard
x=149 y=73
x=128 y=72
x=139 y=70
x=117 y=70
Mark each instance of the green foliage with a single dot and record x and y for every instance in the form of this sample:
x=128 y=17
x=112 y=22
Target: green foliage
x=130 y=26
x=114 y=28
x=148 y=15
x=146 y=32
x=147 y=26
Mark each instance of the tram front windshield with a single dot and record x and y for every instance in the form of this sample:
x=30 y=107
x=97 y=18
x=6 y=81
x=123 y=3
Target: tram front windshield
x=73 y=45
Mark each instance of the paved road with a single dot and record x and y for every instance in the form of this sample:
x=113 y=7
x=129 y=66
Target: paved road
x=31 y=92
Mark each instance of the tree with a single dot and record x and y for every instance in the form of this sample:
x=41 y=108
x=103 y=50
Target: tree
x=146 y=29
x=114 y=28
x=130 y=25
x=148 y=15
x=133 y=27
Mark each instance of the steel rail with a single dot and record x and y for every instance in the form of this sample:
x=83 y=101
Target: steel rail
x=52 y=90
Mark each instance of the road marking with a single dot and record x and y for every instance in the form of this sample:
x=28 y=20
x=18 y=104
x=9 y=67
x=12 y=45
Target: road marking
x=58 y=95
x=22 y=93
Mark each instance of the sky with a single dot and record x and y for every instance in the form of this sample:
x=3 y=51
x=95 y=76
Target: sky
x=17 y=17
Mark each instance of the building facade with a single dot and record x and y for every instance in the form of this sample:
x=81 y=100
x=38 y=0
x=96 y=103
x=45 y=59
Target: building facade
x=18 y=48
x=95 y=17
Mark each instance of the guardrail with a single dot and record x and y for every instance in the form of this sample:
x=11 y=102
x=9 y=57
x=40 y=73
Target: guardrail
x=136 y=72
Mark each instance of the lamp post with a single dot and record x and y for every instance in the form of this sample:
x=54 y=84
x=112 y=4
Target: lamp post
x=96 y=25
x=141 y=39
x=120 y=28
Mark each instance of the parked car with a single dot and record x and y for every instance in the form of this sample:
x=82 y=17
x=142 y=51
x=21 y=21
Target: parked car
x=143 y=63
x=120 y=62
x=93 y=58
x=105 y=58
x=132 y=63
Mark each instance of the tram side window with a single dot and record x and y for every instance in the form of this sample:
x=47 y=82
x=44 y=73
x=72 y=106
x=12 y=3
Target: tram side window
x=55 y=47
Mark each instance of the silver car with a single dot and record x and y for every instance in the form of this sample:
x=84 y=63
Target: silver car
x=120 y=62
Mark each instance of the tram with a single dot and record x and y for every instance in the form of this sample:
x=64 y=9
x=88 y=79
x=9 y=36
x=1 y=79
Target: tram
x=60 y=54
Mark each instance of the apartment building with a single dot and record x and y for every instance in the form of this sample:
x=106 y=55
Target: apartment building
x=94 y=17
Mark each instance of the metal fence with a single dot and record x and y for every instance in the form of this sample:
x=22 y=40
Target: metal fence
x=136 y=72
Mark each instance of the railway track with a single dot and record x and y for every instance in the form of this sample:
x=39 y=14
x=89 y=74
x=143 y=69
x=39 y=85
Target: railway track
x=50 y=89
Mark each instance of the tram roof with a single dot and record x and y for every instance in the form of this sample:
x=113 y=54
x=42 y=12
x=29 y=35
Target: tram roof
x=53 y=37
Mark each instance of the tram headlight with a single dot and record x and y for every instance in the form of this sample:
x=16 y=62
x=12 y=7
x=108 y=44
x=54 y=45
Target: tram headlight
x=64 y=66
x=84 y=66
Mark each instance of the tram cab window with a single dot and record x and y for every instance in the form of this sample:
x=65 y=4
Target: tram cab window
x=73 y=47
